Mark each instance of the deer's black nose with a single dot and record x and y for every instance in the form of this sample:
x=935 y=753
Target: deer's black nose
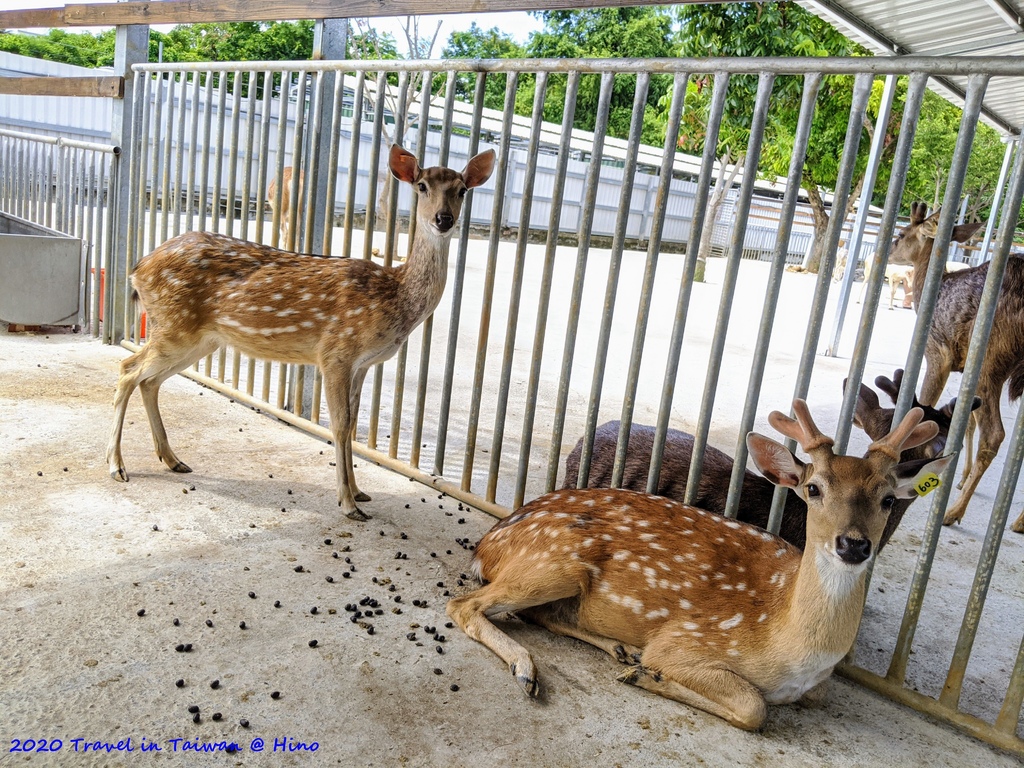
x=444 y=221
x=853 y=551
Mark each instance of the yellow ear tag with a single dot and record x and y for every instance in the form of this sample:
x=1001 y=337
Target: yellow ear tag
x=927 y=483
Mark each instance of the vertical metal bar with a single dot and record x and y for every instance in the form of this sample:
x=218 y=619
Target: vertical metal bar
x=266 y=114
x=853 y=244
x=140 y=129
x=154 y=191
x=109 y=254
x=614 y=265
x=165 y=187
x=700 y=208
x=812 y=83
x=218 y=169
x=428 y=324
x=179 y=164
x=547 y=272
x=500 y=181
x=307 y=195
x=897 y=180
x=299 y=139
x=1009 y=713
x=353 y=164
x=236 y=116
x=647 y=289
x=374 y=167
x=861 y=92
x=193 y=141
x=950 y=695
x=760 y=118
x=250 y=138
x=204 y=167
x=512 y=324
x=455 y=315
x=586 y=225
x=976 y=85
x=996 y=201
x=332 y=170
x=282 y=143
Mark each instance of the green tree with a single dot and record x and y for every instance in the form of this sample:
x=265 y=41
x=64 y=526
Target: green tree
x=477 y=43
x=641 y=32
x=79 y=48
x=767 y=29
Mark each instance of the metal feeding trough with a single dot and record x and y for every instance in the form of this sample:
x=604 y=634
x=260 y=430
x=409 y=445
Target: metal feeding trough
x=40 y=274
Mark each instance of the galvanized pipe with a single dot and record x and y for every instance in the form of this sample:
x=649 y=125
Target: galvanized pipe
x=218 y=168
x=812 y=84
x=193 y=141
x=647 y=289
x=972 y=367
x=236 y=117
x=544 y=303
x=997 y=197
x=765 y=83
x=353 y=165
x=675 y=346
x=576 y=297
x=166 y=167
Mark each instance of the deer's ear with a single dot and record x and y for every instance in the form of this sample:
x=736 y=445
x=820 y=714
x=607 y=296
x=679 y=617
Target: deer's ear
x=775 y=461
x=920 y=476
x=963 y=232
x=403 y=164
x=930 y=226
x=867 y=403
x=479 y=169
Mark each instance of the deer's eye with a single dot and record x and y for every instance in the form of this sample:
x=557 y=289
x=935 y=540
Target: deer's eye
x=422 y=187
x=462 y=192
x=888 y=503
x=813 y=491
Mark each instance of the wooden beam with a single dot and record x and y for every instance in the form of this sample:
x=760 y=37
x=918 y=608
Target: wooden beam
x=47 y=18
x=104 y=87
x=193 y=11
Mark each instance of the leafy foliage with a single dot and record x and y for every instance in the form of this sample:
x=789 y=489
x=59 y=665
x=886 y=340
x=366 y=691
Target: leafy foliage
x=80 y=49
x=477 y=43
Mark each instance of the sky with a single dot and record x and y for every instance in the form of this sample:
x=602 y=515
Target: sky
x=518 y=25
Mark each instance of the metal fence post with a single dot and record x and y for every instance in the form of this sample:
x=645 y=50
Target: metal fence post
x=131 y=47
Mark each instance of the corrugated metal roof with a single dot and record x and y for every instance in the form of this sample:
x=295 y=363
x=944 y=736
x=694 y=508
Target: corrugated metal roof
x=941 y=28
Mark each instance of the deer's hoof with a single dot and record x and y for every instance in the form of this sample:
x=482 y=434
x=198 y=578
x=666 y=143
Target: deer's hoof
x=358 y=515
x=360 y=496
x=952 y=518
x=120 y=474
x=526 y=680
x=182 y=468
x=632 y=675
x=1018 y=525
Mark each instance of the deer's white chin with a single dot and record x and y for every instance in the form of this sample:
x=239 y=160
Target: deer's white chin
x=838 y=578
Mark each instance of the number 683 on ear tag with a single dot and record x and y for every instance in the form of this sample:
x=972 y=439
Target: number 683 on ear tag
x=927 y=483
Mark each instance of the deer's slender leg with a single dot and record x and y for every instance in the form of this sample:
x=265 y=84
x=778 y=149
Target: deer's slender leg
x=936 y=375
x=337 y=383
x=471 y=613
x=991 y=434
x=153 y=360
x=150 y=389
x=354 y=397
x=1018 y=524
x=672 y=674
x=968 y=450
x=560 y=618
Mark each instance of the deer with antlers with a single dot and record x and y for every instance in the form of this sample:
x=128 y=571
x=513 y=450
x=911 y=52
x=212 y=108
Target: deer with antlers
x=204 y=290
x=757 y=492
x=956 y=308
x=708 y=611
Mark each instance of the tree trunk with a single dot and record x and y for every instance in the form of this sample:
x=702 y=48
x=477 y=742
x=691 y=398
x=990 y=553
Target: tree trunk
x=714 y=210
x=822 y=220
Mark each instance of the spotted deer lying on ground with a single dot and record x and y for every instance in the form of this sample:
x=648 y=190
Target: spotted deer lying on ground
x=716 y=472
x=283 y=214
x=956 y=309
x=715 y=613
x=203 y=290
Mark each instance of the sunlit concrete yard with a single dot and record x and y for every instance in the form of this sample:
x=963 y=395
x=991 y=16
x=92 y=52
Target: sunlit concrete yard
x=100 y=582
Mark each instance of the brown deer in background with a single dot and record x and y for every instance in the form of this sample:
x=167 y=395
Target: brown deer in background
x=757 y=492
x=203 y=290
x=283 y=215
x=712 y=612
x=956 y=308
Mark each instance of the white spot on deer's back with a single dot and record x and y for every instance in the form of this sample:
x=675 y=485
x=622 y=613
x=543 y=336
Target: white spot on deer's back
x=691 y=625
x=660 y=613
x=732 y=622
x=685 y=605
x=648 y=536
x=762 y=617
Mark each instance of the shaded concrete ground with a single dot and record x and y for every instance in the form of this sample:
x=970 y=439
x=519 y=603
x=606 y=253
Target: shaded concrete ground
x=81 y=556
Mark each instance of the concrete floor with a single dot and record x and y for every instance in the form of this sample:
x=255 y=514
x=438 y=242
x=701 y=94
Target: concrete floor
x=81 y=556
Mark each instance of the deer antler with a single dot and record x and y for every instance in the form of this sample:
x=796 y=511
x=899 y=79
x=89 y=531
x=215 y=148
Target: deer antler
x=892 y=386
x=910 y=433
x=802 y=429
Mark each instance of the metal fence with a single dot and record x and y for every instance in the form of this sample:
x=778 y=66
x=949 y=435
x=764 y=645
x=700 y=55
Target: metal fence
x=485 y=410
x=66 y=185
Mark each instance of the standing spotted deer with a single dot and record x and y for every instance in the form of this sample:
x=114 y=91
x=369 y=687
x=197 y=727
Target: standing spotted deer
x=949 y=337
x=709 y=611
x=203 y=290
